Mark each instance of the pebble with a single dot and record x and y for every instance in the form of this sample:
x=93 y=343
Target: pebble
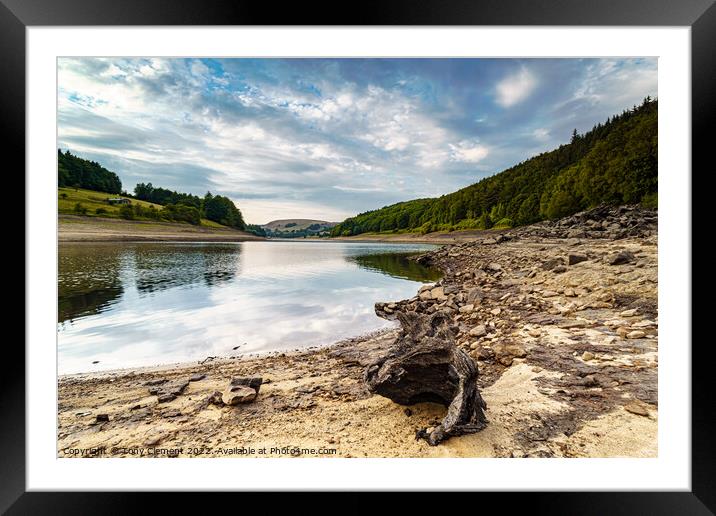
x=636 y=334
x=587 y=355
x=628 y=313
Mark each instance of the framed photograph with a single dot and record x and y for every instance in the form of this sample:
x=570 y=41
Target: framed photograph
x=438 y=247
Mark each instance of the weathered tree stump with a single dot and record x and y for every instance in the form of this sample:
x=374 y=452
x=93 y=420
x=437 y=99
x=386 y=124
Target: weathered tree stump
x=426 y=365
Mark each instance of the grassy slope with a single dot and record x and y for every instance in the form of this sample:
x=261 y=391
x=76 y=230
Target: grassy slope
x=93 y=200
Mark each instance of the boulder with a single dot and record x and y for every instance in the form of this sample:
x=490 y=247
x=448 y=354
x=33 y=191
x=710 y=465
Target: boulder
x=621 y=258
x=551 y=264
x=575 y=258
x=238 y=394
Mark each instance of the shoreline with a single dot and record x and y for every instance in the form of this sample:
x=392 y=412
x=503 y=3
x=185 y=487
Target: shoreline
x=256 y=355
x=561 y=319
x=76 y=229
x=437 y=238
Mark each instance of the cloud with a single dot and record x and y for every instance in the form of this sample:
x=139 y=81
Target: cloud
x=468 y=152
x=329 y=138
x=541 y=134
x=515 y=88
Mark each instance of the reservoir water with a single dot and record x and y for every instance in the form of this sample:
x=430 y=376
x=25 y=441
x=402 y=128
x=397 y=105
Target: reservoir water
x=135 y=304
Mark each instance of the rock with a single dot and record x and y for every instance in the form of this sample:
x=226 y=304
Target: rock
x=215 y=398
x=474 y=345
x=238 y=394
x=197 y=377
x=587 y=355
x=622 y=331
x=559 y=269
x=636 y=334
x=425 y=295
x=568 y=292
x=426 y=365
x=102 y=418
x=170 y=388
x=467 y=309
x=496 y=311
x=505 y=352
x=474 y=296
x=636 y=408
x=166 y=398
x=252 y=382
x=621 y=258
x=575 y=258
x=438 y=293
x=478 y=331
x=408 y=412
x=551 y=264
x=628 y=313
x=534 y=333
x=549 y=293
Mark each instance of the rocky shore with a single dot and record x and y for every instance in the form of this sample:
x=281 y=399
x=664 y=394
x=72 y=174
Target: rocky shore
x=561 y=318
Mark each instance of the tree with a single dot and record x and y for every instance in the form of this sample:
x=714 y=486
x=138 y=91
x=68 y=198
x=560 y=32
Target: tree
x=73 y=171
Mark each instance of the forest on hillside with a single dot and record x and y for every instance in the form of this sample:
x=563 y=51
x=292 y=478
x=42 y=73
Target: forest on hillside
x=76 y=172
x=613 y=163
x=216 y=208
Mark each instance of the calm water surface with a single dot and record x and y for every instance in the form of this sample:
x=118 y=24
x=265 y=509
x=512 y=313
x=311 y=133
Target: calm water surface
x=134 y=304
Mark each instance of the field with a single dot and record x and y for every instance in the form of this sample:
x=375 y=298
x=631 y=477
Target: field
x=68 y=198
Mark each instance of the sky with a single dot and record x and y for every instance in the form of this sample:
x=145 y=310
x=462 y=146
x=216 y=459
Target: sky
x=329 y=138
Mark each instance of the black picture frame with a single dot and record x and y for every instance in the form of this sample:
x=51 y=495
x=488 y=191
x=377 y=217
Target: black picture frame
x=700 y=15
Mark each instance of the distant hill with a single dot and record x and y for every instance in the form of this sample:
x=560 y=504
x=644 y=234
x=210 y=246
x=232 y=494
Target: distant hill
x=297 y=228
x=613 y=163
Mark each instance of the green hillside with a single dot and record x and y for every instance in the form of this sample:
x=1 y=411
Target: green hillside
x=89 y=203
x=614 y=163
x=85 y=188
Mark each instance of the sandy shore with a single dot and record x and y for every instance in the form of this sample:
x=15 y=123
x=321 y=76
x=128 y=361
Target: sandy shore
x=73 y=228
x=565 y=340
